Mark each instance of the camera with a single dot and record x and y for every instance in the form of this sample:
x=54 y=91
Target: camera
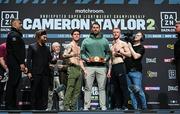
x=128 y=36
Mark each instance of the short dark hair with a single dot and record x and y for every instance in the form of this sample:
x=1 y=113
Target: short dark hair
x=95 y=23
x=40 y=33
x=143 y=36
x=14 y=19
x=75 y=30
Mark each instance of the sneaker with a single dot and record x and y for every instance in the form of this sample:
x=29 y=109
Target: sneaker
x=67 y=109
x=48 y=109
x=103 y=108
x=124 y=108
x=117 y=109
x=85 y=109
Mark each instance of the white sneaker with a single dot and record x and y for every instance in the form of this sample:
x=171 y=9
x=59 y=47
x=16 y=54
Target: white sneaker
x=124 y=108
x=85 y=109
x=48 y=109
x=103 y=108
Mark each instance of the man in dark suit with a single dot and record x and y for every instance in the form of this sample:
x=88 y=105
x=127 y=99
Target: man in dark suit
x=55 y=79
x=15 y=61
x=177 y=52
x=38 y=60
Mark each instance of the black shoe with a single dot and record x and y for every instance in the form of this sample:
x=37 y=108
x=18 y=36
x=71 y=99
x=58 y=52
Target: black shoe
x=117 y=109
x=144 y=109
x=11 y=108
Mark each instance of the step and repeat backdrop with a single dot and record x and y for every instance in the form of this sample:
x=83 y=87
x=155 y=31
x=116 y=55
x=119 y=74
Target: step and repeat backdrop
x=156 y=18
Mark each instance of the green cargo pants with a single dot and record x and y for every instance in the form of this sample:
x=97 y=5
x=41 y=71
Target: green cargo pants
x=73 y=87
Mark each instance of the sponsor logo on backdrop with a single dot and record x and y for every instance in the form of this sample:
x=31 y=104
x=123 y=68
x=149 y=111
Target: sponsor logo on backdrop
x=150 y=46
x=6 y=17
x=152 y=74
x=172 y=74
x=94 y=96
x=168 y=60
x=168 y=21
x=83 y=22
x=172 y=88
x=170 y=46
x=173 y=103
x=94 y=91
x=153 y=102
x=151 y=60
x=82 y=19
x=152 y=88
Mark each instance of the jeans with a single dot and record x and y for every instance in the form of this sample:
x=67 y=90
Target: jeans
x=134 y=80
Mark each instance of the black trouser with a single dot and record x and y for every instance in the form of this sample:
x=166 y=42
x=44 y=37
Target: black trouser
x=178 y=71
x=1 y=92
x=39 y=97
x=2 y=84
x=12 y=86
x=119 y=81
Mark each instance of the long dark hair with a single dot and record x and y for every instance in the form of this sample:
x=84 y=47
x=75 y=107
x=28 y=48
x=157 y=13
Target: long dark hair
x=39 y=33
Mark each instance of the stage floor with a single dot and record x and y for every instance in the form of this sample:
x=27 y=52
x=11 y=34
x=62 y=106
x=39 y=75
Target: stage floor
x=151 y=111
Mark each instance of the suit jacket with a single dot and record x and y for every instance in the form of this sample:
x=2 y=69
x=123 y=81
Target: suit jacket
x=38 y=59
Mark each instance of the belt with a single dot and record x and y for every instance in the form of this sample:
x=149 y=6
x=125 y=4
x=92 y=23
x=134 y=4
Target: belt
x=118 y=64
x=96 y=59
x=95 y=64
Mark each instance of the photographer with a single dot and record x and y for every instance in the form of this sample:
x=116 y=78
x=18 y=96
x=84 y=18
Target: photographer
x=134 y=71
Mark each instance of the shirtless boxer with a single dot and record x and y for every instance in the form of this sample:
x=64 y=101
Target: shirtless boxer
x=72 y=53
x=117 y=70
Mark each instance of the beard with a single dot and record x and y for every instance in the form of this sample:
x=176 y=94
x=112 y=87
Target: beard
x=116 y=37
x=43 y=42
x=57 y=51
x=95 y=32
